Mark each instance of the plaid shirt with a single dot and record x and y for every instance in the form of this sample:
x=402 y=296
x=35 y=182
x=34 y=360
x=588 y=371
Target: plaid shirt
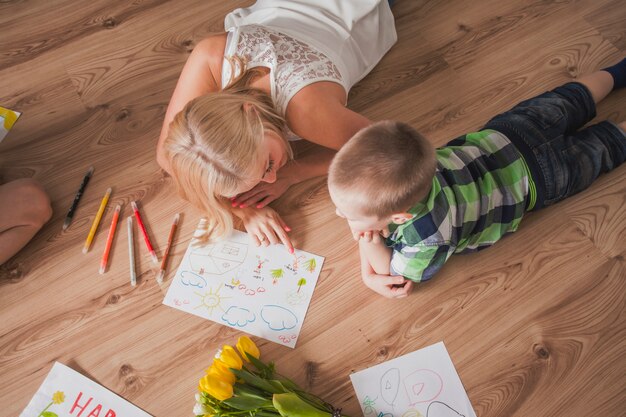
x=478 y=195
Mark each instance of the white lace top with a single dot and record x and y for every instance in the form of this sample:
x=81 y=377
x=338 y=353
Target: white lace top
x=293 y=64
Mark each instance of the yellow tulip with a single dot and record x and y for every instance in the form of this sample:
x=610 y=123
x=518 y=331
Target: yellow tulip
x=217 y=388
x=230 y=358
x=246 y=345
x=219 y=371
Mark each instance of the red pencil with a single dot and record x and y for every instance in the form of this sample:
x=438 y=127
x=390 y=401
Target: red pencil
x=145 y=233
x=107 y=248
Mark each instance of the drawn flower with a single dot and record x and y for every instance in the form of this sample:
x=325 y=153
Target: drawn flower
x=216 y=388
x=58 y=397
x=229 y=357
x=246 y=347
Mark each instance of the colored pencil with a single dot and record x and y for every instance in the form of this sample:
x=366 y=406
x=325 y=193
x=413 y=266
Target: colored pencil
x=131 y=251
x=79 y=194
x=107 y=248
x=170 y=238
x=145 y=233
x=96 y=221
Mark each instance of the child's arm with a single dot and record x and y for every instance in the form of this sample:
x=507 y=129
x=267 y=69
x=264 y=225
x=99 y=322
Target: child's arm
x=375 y=270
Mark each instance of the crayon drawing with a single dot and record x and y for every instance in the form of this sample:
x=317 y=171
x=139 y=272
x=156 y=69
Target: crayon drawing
x=264 y=291
x=423 y=383
x=65 y=392
x=7 y=120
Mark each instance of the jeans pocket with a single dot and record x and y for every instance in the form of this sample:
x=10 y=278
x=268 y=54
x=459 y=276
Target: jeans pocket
x=546 y=118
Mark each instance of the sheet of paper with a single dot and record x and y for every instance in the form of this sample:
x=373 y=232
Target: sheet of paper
x=420 y=384
x=66 y=393
x=263 y=291
x=7 y=119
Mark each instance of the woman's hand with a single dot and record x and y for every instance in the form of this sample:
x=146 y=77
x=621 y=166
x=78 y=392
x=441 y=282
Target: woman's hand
x=265 y=226
x=261 y=194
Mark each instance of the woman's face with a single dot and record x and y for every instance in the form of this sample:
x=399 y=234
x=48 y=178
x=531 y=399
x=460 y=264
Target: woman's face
x=274 y=156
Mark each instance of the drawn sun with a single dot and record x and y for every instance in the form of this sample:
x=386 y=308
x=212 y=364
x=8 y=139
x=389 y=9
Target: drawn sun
x=211 y=300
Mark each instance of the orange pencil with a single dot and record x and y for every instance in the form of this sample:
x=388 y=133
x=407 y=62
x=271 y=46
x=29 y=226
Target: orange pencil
x=107 y=248
x=170 y=239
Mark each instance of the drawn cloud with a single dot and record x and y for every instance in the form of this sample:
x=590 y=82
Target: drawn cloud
x=439 y=409
x=278 y=318
x=193 y=280
x=238 y=316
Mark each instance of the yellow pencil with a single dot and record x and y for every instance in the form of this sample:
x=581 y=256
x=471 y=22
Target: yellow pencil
x=96 y=221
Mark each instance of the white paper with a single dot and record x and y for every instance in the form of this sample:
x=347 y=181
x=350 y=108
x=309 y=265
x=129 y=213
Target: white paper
x=7 y=119
x=420 y=384
x=263 y=291
x=66 y=393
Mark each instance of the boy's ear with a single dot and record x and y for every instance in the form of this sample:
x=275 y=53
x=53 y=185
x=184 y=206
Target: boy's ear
x=399 y=218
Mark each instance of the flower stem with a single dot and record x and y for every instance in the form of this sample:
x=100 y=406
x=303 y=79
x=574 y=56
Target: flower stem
x=45 y=409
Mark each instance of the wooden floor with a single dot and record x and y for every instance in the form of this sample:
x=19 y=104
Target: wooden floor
x=536 y=326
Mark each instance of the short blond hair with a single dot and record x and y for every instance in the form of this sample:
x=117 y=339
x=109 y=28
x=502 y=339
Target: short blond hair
x=213 y=146
x=385 y=168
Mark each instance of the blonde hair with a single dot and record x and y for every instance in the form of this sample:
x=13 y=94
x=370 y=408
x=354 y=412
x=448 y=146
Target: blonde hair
x=213 y=146
x=385 y=168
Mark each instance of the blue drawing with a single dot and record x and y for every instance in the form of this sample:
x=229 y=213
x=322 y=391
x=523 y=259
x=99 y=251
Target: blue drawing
x=238 y=316
x=192 y=280
x=278 y=318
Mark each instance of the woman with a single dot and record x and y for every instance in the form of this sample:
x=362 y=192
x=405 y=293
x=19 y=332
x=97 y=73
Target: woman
x=281 y=71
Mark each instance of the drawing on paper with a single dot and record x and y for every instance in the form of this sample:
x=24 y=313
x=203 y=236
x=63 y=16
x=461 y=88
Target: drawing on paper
x=439 y=409
x=65 y=393
x=211 y=300
x=390 y=385
x=238 y=316
x=264 y=291
x=423 y=383
x=218 y=258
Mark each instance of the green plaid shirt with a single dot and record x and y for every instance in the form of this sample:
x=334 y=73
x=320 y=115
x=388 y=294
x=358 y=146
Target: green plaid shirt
x=478 y=195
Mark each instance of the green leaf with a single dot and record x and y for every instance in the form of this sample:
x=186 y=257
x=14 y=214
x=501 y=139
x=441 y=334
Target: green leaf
x=291 y=405
x=49 y=414
x=247 y=403
x=255 y=381
x=244 y=389
x=266 y=370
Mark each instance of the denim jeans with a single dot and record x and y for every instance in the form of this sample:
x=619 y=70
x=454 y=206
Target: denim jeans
x=562 y=159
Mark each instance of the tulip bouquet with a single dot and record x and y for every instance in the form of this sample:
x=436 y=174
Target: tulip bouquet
x=240 y=384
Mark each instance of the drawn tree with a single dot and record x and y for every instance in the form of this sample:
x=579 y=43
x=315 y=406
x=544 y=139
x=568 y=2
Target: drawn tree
x=301 y=282
x=276 y=275
x=310 y=265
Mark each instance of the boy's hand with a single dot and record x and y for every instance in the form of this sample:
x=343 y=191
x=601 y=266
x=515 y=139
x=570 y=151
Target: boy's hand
x=376 y=236
x=390 y=286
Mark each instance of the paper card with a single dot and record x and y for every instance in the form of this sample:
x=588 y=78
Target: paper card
x=263 y=291
x=66 y=393
x=420 y=384
x=7 y=119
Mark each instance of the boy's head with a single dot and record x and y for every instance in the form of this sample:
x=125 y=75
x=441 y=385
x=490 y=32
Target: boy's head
x=381 y=172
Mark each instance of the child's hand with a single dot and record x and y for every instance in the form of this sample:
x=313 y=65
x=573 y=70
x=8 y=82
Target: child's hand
x=390 y=286
x=376 y=236
x=265 y=226
x=261 y=194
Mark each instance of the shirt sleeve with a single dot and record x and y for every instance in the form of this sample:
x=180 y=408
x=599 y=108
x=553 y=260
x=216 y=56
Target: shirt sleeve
x=419 y=263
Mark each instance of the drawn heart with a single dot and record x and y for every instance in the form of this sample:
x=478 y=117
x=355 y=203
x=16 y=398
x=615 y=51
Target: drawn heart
x=260 y=289
x=250 y=292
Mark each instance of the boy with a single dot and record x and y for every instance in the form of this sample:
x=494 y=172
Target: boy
x=467 y=195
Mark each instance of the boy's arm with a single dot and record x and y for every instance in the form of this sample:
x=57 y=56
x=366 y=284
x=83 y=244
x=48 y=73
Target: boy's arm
x=375 y=270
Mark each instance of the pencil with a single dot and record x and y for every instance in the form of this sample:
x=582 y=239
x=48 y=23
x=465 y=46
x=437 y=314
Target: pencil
x=145 y=233
x=107 y=248
x=131 y=251
x=79 y=194
x=170 y=238
x=96 y=221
